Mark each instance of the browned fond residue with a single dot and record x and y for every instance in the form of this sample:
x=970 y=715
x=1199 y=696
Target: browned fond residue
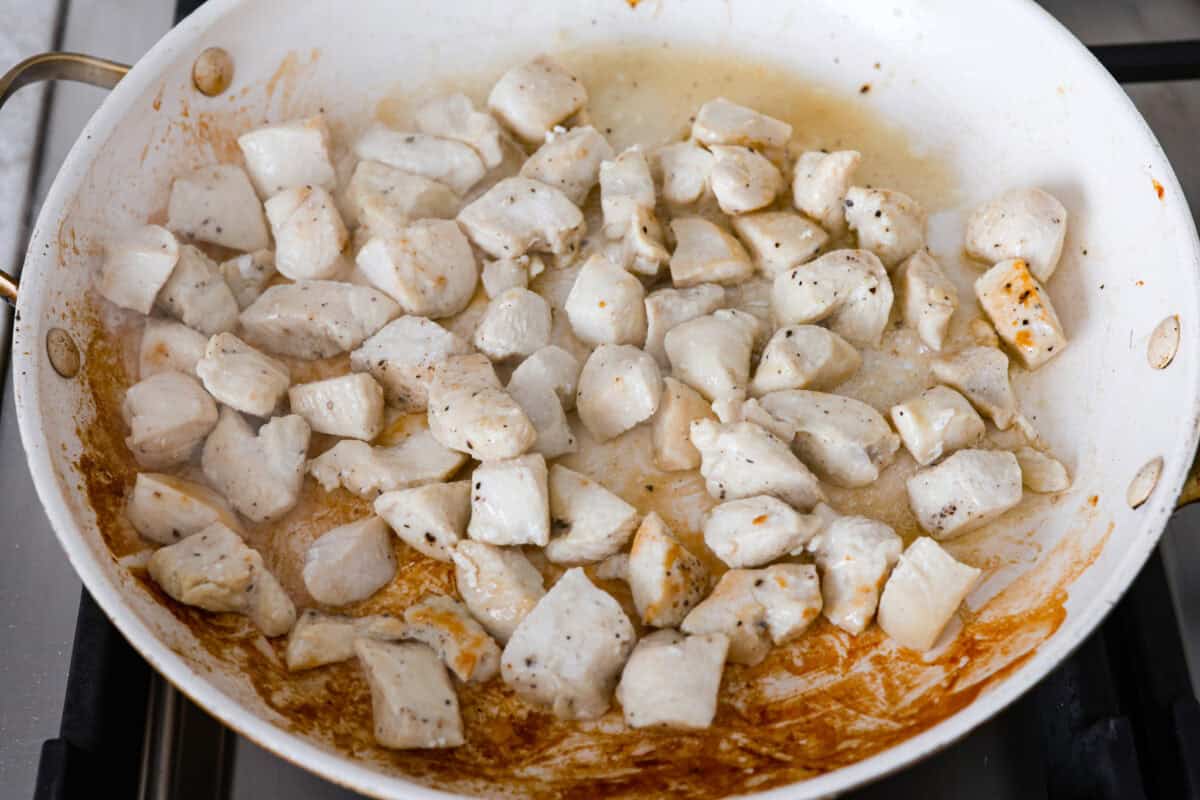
x=106 y=465
x=208 y=132
x=67 y=240
x=1158 y=188
x=285 y=69
x=824 y=701
x=288 y=78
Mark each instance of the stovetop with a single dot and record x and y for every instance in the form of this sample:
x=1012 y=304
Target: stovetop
x=1118 y=719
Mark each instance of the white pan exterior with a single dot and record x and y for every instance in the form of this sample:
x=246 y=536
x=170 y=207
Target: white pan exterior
x=1000 y=86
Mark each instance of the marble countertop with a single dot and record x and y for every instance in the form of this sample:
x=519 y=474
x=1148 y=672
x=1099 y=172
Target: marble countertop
x=39 y=593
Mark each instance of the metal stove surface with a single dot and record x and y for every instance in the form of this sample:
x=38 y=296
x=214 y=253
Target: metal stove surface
x=39 y=594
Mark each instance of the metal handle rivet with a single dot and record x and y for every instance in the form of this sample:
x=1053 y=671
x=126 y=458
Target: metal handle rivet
x=213 y=71
x=1143 y=483
x=64 y=354
x=1164 y=342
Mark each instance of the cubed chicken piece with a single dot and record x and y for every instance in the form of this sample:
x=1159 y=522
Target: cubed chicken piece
x=538 y=394
x=349 y=405
x=315 y=319
x=607 y=305
x=453 y=116
x=926 y=588
x=1021 y=310
x=431 y=519
x=518 y=215
x=534 y=265
x=309 y=233
x=385 y=200
x=515 y=325
x=165 y=509
x=289 y=155
x=779 y=240
x=928 y=298
x=671 y=680
x=213 y=569
x=967 y=490
x=567 y=653
x=935 y=423
x=498 y=585
x=239 y=376
x=626 y=187
x=667 y=308
x=169 y=346
x=752 y=411
x=804 y=357
x=1042 y=473
x=1029 y=224
x=554 y=367
x=590 y=523
x=534 y=97
x=890 y=224
x=755 y=607
x=983 y=334
x=742 y=180
x=248 y=275
x=318 y=639
x=819 y=185
x=510 y=502
x=570 y=162
x=447 y=161
x=666 y=579
x=742 y=459
x=843 y=440
x=721 y=121
x=642 y=250
x=619 y=387
x=712 y=353
x=402 y=357
x=981 y=373
x=366 y=471
x=470 y=412
x=350 y=562
x=757 y=530
x=217 y=204
x=753 y=297
x=260 y=474
x=613 y=568
x=685 y=168
x=197 y=295
x=461 y=642
x=854 y=555
x=412 y=700
x=706 y=254
x=848 y=289
x=681 y=405
x=168 y=415
x=503 y=274
x=428 y=268
x=271 y=609
x=136 y=267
